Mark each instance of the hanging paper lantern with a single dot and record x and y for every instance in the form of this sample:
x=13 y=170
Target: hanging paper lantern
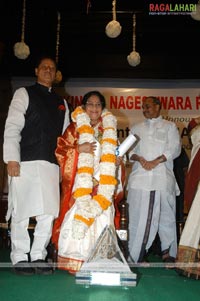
x=133 y=58
x=196 y=14
x=113 y=28
x=21 y=50
x=58 y=77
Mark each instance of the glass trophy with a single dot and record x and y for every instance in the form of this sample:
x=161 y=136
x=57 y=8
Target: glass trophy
x=106 y=264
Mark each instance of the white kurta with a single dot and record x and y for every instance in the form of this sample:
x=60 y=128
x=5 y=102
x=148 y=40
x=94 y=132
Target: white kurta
x=36 y=190
x=156 y=137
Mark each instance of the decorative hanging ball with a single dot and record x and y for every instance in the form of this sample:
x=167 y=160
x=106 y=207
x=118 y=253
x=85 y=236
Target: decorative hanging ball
x=21 y=50
x=196 y=14
x=58 y=77
x=133 y=58
x=113 y=29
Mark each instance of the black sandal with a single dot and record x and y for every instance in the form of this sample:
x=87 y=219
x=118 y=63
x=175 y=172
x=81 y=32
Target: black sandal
x=168 y=259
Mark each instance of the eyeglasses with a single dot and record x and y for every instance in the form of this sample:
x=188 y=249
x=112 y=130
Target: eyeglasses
x=93 y=105
x=47 y=67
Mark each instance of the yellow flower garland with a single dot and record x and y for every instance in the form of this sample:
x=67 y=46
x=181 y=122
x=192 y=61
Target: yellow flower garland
x=89 y=208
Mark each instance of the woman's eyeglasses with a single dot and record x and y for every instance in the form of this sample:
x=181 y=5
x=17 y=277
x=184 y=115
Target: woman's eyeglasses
x=93 y=105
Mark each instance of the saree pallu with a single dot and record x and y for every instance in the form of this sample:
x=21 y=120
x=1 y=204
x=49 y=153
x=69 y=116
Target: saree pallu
x=73 y=252
x=188 y=260
x=67 y=156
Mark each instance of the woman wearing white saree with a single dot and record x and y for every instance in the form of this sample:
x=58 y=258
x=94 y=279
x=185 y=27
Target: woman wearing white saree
x=86 y=155
x=188 y=251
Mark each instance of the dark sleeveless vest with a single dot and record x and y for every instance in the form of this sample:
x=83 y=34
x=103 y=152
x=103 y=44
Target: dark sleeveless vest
x=44 y=120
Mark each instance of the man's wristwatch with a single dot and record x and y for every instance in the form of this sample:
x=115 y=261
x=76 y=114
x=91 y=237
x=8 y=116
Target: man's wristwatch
x=161 y=159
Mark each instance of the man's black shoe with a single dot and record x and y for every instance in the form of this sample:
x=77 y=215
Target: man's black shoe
x=23 y=268
x=41 y=267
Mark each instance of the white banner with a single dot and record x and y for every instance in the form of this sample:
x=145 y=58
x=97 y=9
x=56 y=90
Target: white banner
x=178 y=105
x=180 y=99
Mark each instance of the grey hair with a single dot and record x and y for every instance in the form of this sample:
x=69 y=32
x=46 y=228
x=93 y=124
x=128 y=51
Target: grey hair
x=156 y=100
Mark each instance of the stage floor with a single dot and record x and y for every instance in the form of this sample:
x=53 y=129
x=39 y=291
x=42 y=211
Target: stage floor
x=154 y=283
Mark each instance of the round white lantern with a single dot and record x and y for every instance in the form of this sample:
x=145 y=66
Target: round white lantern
x=113 y=29
x=21 y=50
x=133 y=58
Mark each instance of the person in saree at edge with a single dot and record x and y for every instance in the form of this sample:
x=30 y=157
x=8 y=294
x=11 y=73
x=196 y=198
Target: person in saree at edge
x=92 y=181
x=188 y=259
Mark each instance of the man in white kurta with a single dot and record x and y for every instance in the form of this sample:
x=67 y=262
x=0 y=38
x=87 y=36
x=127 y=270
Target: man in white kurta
x=151 y=185
x=36 y=117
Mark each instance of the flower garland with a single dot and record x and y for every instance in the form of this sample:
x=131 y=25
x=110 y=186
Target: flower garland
x=89 y=208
